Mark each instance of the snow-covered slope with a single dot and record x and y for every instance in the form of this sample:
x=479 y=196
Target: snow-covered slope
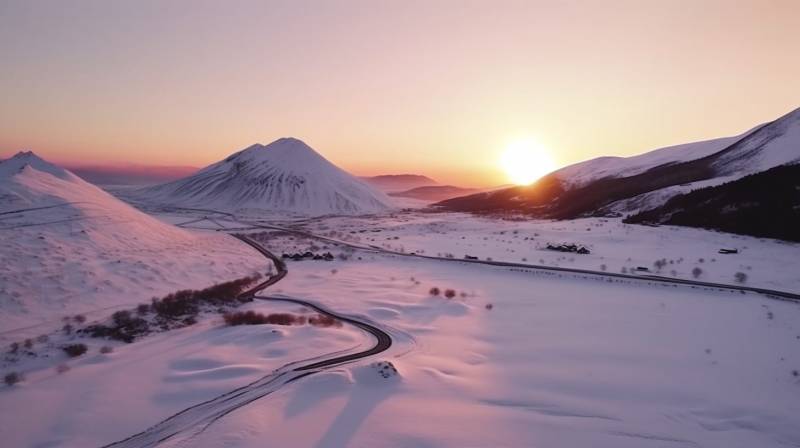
x=286 y=175
x=759 y=149
x=625 y=185
x=582 y=173
x=68 y=247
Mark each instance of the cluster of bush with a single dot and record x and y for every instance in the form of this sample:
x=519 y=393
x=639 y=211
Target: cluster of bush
x=449 y=293
x=178 y=309
x=254 y=318
x=327 y=256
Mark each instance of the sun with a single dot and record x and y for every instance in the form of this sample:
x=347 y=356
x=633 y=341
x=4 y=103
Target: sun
x=525 y=161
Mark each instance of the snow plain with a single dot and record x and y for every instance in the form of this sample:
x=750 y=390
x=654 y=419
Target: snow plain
x=558 y=360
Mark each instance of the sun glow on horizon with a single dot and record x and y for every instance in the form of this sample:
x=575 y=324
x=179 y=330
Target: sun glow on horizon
x=525 y=161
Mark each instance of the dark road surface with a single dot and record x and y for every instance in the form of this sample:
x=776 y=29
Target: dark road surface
x=195 y=419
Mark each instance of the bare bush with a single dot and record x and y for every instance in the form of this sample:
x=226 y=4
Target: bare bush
x=449 y=293
x=697 y=272
x=435 y=291
x=740 y=277
x=13 y=378
x=74 y=350
x=321 y=320
x=62 y=368
x=106 y=349
x=254 y=318
x=489 y=306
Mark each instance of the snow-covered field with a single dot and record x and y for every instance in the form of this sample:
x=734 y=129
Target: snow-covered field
x=557 y=361
x=614 y=245
x=517 y=357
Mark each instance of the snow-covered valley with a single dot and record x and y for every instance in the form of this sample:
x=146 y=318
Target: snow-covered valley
x=512 y=357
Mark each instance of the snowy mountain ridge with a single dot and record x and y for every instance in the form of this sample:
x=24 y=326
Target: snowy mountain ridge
x=23 y=159
x=285 y=175
x=616 y=185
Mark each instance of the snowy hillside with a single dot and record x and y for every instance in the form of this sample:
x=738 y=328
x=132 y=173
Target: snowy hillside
x=582 y=173
x=68 y=247
x=624 y=185
x=286 y=175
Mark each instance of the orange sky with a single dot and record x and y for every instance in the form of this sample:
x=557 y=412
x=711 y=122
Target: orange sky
x=432 y=87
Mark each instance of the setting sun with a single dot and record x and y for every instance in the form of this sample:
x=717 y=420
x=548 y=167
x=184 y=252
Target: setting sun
x=525 y=161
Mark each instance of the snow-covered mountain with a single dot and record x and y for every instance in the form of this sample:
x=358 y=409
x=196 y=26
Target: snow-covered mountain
x=68 y=247
x=630 y=184
x=285 y=175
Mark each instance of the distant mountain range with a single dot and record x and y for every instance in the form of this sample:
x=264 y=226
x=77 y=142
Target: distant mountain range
x=392 y=183
x=129 y=174
x=435 y=193
x=617 y=186
x=286 y=175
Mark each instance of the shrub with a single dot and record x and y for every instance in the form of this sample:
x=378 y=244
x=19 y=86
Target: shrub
x=321 y=320
x=74 y=350
x=80 y=318
x=697 y=272
x=14 y=347
x=603 y=267
x=449 y=293
x=106 y=349
x=489 y=306
x=253 y=318
x=43 y=338
x=13 y=378
x=281 y=319
x=121 y=317
x=142 y=309
x=62 y=368
x=740 y=277
x=435 y=291
x=28 y=343
x=67 y=328
x=125 y=327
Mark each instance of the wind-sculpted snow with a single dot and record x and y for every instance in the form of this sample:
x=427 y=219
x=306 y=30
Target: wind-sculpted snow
x=286 y=175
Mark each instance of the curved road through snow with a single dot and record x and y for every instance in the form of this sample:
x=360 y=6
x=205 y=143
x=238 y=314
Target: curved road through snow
x=195 y=419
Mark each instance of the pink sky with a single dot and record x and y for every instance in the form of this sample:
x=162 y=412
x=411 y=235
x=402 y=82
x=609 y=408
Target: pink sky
x=431 y=87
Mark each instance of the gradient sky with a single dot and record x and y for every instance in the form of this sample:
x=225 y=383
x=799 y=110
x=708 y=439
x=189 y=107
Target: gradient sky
x=432 y=87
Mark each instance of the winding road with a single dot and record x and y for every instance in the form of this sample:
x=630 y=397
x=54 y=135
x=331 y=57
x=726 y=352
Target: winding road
x=194 y=420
